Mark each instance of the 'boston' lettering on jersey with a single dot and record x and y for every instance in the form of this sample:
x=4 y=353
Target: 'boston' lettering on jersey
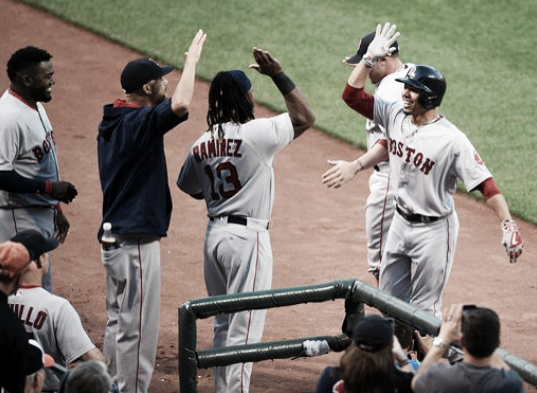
x=217 y=148
x=399 y=149
x=26 y=317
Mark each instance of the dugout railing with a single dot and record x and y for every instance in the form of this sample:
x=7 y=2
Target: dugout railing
x=355 y=293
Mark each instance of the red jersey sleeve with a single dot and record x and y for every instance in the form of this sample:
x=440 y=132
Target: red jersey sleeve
x=359 y=100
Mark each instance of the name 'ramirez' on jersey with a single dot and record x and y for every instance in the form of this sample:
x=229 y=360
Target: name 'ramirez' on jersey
x=235 y=174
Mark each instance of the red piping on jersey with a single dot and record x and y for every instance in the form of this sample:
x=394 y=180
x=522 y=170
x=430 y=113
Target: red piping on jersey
x=140 y=320
x=359 y=100
x=33 y=106
x=447 y=268
x=250 y=316
x=29 y=286
x=382 y=219
x=14 y=221
x=488 y=188
x=124 y=104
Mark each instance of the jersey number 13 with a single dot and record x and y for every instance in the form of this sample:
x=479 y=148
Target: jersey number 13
x=230 y=183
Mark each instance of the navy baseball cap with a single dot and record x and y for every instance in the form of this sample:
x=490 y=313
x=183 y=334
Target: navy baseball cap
x=242 y=80
x=363 y=44
x=373 y=333
x=140 y=71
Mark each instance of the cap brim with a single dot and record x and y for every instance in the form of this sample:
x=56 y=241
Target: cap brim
x=352 y=60
x=167 y=69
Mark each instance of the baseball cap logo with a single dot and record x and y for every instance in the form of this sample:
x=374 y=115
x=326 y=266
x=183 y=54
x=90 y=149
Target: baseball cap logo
x=411 y=72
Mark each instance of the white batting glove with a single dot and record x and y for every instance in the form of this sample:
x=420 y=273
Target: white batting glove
x=511 y=240
x=381 y=46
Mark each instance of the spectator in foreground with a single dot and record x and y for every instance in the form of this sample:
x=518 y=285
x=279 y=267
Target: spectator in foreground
x=374 y=362
x=481 y=370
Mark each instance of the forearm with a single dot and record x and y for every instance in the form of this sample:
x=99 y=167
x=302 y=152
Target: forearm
x=11 y=181
x=498 y=204
x=298 y=108
x=182 y=97
x=376 y=155
x=93 y=354
x=432 y=357
x=358 y=76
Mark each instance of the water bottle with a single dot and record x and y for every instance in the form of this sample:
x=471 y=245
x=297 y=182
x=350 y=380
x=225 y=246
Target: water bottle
x=108 y=241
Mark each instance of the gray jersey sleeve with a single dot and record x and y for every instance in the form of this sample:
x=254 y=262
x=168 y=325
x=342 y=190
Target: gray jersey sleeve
x=72 y=339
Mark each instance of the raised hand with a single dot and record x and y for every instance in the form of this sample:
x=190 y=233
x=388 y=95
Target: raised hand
x=381 y=46
x=194 y=51
x=265 y=63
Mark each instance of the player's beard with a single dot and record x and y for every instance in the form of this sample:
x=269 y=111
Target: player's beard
x=41 y=95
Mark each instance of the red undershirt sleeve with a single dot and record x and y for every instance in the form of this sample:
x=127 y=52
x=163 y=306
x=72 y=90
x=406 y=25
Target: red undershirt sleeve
x=383 y=142
x=359 y=100
x=488 y=188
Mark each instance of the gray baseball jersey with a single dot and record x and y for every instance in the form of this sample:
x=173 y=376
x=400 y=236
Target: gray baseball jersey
x=27 y=147
x=427 y=160
x=235 y=174
x=53 y=322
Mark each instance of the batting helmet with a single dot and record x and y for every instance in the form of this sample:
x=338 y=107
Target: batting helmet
x=429 y=81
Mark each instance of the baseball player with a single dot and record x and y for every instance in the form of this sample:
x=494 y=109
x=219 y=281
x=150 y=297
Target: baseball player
x=53 y=322
x=427 y=155
x=379 y=208
x=30 y=185
x=230 y=166
x=137 y=203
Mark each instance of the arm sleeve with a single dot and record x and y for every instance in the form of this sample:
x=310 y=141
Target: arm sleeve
x=469 y=166
x=154 y=122
x=268 y=136
x=488 y=188
x=11 y=181
x=187 y=181
x=73 y=341
x=359 y=100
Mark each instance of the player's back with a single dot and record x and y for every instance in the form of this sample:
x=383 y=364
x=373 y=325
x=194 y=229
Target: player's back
x=234 y=172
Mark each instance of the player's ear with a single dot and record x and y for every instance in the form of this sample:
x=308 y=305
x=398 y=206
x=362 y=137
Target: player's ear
x=26 y=80
x=147 y=89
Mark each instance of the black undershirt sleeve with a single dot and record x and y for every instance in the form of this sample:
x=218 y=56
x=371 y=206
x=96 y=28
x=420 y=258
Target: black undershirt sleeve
x=11 y=181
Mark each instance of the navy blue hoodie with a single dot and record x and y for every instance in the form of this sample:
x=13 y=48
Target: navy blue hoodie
x=132 y=167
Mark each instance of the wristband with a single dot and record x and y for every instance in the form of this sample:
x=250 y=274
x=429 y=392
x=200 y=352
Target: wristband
x=283 y=83
x=48 y=187
x=368 y=61
x=58 y=207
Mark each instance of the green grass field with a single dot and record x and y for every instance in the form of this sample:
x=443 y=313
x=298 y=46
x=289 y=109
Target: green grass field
x=486 y=50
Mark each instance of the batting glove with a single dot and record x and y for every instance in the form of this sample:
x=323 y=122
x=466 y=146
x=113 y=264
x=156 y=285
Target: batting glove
x=511 y=240
x=381 y=46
